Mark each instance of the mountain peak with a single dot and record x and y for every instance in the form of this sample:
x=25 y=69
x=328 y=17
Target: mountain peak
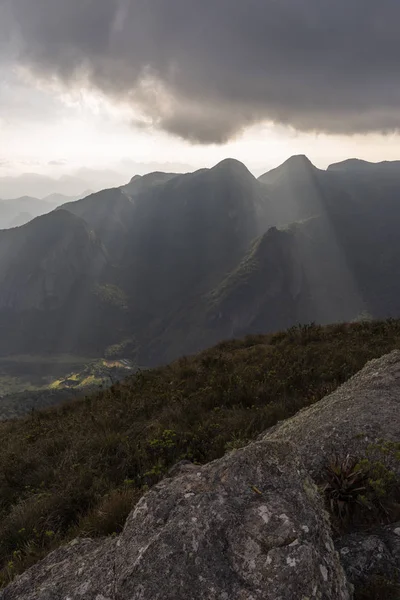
x=135 y=178
x=295 y=166
x=298 y=160
x=351 y=164
x=232 y=167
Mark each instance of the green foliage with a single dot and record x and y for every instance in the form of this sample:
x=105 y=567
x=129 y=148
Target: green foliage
x=79 y=468
x=383 y=486
x=364 y=491
x=346 y=485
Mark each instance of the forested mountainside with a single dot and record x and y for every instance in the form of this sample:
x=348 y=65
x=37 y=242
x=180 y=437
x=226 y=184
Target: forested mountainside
x=169 y=264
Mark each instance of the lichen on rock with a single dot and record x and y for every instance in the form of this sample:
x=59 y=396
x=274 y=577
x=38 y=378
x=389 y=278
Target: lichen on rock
x=207 y=534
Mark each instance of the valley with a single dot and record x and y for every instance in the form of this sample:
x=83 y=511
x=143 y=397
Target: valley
x=29 y=382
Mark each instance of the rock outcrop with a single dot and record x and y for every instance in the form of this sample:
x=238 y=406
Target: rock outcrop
x=245 y=527
x=361 y=412
x=368 y=556
x=248 y=526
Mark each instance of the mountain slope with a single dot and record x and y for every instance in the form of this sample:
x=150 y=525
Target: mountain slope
x=53 y=292
x=260 y=294
x=191 y=259
x=189 y=232
x=139 y=183
x=79 y=469
x=11 y=211
x=108 y=213
x=295 y=189
x=41 y=261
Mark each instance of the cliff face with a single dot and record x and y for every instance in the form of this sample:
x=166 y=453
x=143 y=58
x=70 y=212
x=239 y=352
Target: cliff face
x=248 y=526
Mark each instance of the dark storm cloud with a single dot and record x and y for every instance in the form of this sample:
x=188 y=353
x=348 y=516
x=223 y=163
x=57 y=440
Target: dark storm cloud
x=204 y=69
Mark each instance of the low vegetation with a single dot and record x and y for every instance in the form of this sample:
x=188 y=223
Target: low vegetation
x=78 y=469
x=361 y=492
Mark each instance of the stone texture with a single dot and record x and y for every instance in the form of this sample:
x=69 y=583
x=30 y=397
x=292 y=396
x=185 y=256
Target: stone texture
x=377 y=553
x=82 y=570
x=249 y=526
x=360 y=412
x=245 y=527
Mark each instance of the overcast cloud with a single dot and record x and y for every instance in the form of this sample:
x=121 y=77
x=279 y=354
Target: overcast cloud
x=205 y=69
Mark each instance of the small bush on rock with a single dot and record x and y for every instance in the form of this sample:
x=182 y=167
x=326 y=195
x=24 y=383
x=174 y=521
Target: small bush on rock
x=366 y=491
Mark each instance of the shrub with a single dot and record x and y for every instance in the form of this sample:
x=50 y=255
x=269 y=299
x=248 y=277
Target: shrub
x=366 y=491
x=109 y=516
x=345 y=484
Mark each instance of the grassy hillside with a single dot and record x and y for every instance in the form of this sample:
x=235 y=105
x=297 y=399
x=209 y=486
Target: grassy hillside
x=79 y=468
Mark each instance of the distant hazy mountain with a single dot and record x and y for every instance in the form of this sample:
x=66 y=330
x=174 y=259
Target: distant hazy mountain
x=60 y=199
x=19 y=211
x=40 y=186
x=14 y=212
x=355 y=165
x=177 y=262
x=73 y=185
x=21 y=219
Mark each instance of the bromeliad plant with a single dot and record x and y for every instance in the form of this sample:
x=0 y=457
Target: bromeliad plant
x=346 y=485
x=366 y=490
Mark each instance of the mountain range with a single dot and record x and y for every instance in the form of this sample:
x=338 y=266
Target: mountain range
x=169 y=263
x=19 y=211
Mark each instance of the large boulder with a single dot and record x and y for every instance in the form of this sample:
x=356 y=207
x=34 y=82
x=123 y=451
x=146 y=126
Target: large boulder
x=83 y=569
x=372 y=556
x=359 y=413
x=248 y=526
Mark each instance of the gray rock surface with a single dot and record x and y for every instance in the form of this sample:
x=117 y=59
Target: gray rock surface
x=377 y=553
x=360 y=412
x=82 y=570
x=248 y=526
x=245 y=527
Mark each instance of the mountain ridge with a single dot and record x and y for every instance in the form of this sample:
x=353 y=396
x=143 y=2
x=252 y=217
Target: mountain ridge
x=174 y=241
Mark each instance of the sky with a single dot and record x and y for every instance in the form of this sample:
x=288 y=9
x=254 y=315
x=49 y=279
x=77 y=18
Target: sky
x=132 y=86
